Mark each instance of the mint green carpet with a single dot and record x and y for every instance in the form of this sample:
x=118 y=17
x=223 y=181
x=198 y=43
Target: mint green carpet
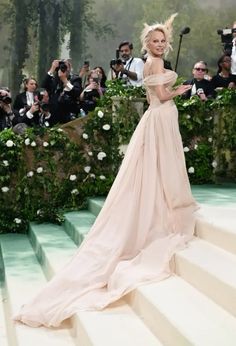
x=215 y=195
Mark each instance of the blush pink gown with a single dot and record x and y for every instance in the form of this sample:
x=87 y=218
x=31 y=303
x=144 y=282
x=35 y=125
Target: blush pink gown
x=148 y=215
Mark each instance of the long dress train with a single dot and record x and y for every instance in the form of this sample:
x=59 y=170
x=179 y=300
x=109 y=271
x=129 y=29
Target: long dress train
x=147 y=216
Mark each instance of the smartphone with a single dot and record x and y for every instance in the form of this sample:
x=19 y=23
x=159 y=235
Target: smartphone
x=86 y=63
x=96 y=80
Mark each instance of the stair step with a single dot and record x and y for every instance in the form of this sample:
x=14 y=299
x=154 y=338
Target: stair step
x=95 y=205
x=211 y=270
x=53 y=247
x=182 y=316
x=23 y=279
x=77 y=224
x=109 y=327
x=3 y=325
x=114 y=326
x=218 y=226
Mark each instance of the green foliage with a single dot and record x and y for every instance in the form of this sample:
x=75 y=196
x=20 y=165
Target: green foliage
x=46 y=172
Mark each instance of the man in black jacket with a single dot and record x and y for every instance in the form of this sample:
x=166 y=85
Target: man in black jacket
x=64 y=90
x=200 y=86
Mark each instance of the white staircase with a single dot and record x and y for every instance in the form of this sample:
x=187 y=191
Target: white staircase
x=197 y=306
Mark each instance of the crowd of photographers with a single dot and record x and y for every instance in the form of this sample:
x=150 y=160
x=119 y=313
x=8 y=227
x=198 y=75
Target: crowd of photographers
x=64 y=96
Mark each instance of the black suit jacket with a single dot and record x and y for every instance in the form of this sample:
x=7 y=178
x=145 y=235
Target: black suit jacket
x=202 y=84
x=63 y=103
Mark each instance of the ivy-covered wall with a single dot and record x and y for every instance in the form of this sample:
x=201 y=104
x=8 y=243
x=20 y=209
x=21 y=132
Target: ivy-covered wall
x=45 y=172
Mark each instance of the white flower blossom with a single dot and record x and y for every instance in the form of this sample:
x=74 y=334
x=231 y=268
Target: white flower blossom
x=33 y=144
x=101 y=155
x=30 y=174
x=5 y=189
x=73 y=177
x=60 y=130
x=102 y=177
x=90 y=153
x=45 y=144
x=92 y=175
x=5 y=163
x=39 y=170
x=74 y=192
x=100 y=114
x=210 y=139
x=195 y=146
x=191 y=170
x=85 y=136
x=186 y=149
x=39 y=212
x=16 y=220
x=9 y=143
x=188 y=116
x=87 y=169
x=106 y=127
x=27 y=141
x=214 y=164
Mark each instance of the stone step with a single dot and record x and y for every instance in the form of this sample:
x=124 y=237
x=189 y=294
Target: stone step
x=211 y=270
x=78 y=224
x=95 y=205
x=217 y=225
x=182 y=316
x=23 y=278
x=118 y=326
x=3 y=325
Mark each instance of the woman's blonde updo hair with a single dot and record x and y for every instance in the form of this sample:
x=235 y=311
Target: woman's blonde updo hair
x=166 y=28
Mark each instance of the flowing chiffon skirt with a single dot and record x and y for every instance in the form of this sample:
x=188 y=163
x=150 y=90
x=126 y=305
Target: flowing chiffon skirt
x=147 y=216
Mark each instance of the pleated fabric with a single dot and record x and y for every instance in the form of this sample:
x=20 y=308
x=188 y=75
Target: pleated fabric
x=148 y=215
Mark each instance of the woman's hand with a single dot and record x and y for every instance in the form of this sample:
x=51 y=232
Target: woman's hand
x=182 y=89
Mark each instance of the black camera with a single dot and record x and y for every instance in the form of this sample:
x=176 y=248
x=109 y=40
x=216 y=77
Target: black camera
x=5 y=99
x=43 y=106
x=117 y=60
x=227 y=38
x=62 y=66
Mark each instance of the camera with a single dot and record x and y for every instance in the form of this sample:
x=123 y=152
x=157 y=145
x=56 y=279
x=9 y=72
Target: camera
x=117 y=60
x=43 y=106
x=5 y=99
x=226 y=38
x=96 y=79
x=62 y=66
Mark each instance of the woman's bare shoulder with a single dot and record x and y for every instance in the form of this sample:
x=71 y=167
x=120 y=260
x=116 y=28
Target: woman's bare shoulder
x=153 y=66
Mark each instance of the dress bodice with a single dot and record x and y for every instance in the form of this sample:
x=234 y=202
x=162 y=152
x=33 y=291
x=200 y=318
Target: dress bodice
x=168 y=79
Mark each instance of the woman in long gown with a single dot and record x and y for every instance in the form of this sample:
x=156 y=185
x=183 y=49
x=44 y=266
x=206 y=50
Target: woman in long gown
x=148 y=214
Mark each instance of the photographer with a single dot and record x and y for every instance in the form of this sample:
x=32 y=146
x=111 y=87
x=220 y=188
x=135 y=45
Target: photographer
x=128 y=68
x=64 y=90
x=38 y=114
x=6 y=113
x=233 y=53
x=91 y=93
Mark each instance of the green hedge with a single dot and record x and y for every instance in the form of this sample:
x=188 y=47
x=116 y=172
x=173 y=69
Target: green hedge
x=45 y=172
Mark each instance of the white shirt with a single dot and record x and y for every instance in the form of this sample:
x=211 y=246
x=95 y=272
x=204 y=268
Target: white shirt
x=134 y=65
x=233 y=58
x=29 y=98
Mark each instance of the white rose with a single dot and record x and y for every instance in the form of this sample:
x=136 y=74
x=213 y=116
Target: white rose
x=74 y=192
x=186 y=149
x=33 y=144
x=101 y=155
x=30 y=174
x=16 y=220
x=191 y=170
x=102 y=177
x=106 y=127
x=60 y=130
x=90 y=153
x=188 y=116
x=100 y=114
x=73 y=177
x=210 y=139
x=27 y=141
x=5 y=189
x=39 y=169
x=195 y=146
x=87 y=169
x=45 y=144
x=5 y=163
x=39 y=212
x=214 y=164
x=92 y=175
x=9 y=143
x=85 y=136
